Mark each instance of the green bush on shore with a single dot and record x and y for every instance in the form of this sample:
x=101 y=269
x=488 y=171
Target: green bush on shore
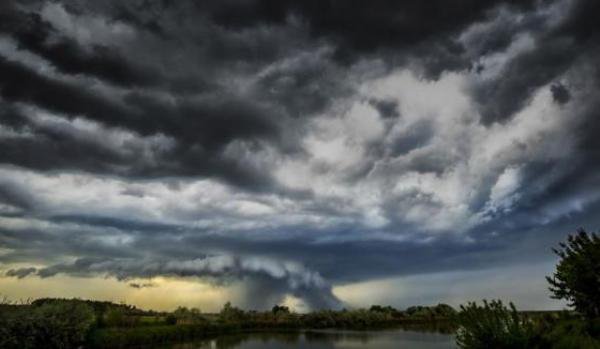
x=492 y=325
x=495 y=326
x=57 y=325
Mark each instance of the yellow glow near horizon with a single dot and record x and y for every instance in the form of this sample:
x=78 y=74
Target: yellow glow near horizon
x=167 y=294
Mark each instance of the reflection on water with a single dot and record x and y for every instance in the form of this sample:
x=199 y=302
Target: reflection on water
x=387 y=339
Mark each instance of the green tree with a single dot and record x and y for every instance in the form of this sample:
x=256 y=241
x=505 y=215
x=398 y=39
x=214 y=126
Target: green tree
x=577 y=275
x=229 y=313
x=280 y=309
x=114 y=317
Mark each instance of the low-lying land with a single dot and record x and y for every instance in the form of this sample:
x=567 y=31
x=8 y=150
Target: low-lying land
x=62 y=323
x=69 y=323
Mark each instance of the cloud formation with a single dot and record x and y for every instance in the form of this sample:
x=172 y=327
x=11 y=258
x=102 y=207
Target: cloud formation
x=272 y=142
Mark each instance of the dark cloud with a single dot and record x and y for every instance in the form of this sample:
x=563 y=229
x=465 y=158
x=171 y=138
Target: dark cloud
x=201 y=130
x=557 y=49
x=357 y=27
x=138 y=286
x=15 y=197
x=34 y=34
x=264 y=274
x=386 y=108
x=219 y=141
x=416 y=136
x=20 y=273
x=560 y=93
x=509 y=93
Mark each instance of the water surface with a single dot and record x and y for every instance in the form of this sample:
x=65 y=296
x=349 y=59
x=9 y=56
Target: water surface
x=388 y=339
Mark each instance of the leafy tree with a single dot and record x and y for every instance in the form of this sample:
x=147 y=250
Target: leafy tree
x=114 y=317
x=229 y=313
x=183 y=315
x=171 y=319
x=577 y=275
x=280 y=309
x=444 y=310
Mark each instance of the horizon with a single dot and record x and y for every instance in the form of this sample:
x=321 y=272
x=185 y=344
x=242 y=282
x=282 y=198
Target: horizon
x=22 y=302
x=315 y=154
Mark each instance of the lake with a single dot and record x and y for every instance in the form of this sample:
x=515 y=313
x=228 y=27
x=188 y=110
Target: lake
x=385 y=339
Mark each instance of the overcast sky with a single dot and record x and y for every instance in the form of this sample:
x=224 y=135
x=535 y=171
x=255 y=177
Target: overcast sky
x=318 y=153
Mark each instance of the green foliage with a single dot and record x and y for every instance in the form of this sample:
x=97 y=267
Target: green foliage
x=123 y=326
x=492 y=326
x=187 y=316
x=564 y=331
x=391 y=311
x=577 y=276
x=444 y=310
x=280 y=309
x=171 y=319
x=61 y=324
x=439 y=311
x=114 y=317
x=118 y=317
x=229 y=313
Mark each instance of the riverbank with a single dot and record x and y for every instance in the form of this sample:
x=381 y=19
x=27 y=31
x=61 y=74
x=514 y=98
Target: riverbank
x=65 y=324
x=152 y=335
x=59 y=323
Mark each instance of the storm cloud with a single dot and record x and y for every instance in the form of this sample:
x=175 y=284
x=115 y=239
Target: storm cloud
x=273 y=142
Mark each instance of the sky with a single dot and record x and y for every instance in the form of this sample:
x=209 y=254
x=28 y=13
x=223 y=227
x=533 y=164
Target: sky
x=320 y=154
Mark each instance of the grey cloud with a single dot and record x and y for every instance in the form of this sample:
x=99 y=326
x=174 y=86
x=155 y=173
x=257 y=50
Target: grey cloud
x=386 y=108
x=415 y=137
x=21 y=273
x=138 y=286
x=509 y=93
x=560 y=93
x=557 y=49
x=289 y=277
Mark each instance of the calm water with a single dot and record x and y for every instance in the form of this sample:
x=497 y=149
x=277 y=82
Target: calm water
x=389 y=339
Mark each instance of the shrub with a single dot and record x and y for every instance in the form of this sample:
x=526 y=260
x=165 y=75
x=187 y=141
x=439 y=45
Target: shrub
x=54 y=325
x=567 y=331
x=492 y=326
x=229 y=313
x=171 y=319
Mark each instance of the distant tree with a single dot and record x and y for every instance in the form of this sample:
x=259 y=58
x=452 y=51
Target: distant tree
x=280 y=309
x=171 y=319
x=444 y=310
x=118 y=317
x=229 y=313
x=380 y=309
x=577 y=275
x=183 y=315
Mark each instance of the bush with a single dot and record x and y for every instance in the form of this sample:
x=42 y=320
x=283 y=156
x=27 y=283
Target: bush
x=170 y=319
x=231 y=314
x=492 y=326
x=57 y=325
x=567 y=331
